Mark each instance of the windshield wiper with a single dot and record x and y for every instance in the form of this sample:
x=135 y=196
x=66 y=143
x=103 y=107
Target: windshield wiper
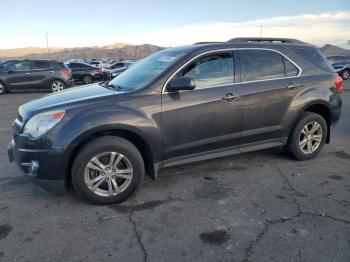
x=110 y=86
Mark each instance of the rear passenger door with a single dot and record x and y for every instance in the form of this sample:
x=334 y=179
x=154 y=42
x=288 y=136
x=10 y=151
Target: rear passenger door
x=42 y=73
x=269 y=82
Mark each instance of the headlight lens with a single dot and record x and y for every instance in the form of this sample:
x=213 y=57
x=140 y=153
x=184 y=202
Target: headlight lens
x=41 y=123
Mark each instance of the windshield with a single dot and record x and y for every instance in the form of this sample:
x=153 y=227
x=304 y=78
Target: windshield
x=145 y=71
x=7 y=63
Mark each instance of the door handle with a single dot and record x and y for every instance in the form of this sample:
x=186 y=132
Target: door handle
x=292 y=85
x=230 y=97
x=28 y=73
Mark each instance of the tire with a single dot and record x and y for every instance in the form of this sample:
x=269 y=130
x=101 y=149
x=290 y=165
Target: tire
x=345 y=74
x=127 y=161
x=57 y=86
x=299 y=135
x=88 y=79
x=3 y=89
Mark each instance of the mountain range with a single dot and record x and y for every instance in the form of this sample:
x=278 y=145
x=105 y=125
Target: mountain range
x=115 y=51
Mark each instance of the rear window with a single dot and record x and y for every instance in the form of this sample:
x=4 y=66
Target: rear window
x=315 y=57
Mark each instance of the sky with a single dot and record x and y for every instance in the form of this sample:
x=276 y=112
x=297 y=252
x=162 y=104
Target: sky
x=77 y=23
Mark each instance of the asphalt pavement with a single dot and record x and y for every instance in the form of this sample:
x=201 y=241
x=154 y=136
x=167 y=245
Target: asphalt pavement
x=260 y=206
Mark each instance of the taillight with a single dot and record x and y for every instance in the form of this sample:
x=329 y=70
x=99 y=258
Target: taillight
x=65 y=71
x=338 y=82
x=98 y=70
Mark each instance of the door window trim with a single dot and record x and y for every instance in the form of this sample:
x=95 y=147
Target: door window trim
x=231 y=50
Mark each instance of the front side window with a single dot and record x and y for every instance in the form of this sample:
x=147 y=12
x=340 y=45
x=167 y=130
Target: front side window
x=211 y=70
x=261 y=65
x=20 y=67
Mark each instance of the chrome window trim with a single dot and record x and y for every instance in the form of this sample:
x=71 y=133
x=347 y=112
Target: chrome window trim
x=235 y=83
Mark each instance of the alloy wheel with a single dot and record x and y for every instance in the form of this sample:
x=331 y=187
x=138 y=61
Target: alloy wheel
x=2 y=89
x=346 y=74
x=108 y=174
x=57 y=86
x=87 y=79
x=310 y=138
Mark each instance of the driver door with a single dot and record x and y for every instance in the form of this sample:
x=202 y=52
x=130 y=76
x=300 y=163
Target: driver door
x=205 y=120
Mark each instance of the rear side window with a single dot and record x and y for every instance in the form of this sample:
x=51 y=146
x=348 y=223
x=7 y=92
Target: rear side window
x=41 y=65
x=264 y=65
x=211 y=70
x=315 y=57
x=290 y=69
x=59 y=65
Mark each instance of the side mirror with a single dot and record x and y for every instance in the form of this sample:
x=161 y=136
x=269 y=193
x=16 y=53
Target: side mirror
x=181 y=83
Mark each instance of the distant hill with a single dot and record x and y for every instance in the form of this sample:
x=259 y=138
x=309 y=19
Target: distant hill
x=114 y=51
x=334 y=50
x=18 y=52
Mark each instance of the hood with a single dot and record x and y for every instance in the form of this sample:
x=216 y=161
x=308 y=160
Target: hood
x=65 y=99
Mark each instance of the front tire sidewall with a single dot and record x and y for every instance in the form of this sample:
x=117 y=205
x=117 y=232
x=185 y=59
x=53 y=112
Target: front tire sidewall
x=107 y=145
x=293 y=141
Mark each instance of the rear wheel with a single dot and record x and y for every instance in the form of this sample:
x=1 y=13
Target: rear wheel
x=87 y=79
x=2 y=88
x=57 y=86
x=108 y=170
x=345 y=74
x=308 y=137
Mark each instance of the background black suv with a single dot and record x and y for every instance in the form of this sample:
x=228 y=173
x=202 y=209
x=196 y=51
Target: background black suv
x=35 y=75
x=86 y=73
x=178 y=106
x=341 y=64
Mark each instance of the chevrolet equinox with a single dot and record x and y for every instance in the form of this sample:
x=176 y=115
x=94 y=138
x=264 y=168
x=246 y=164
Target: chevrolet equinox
x=178 y=106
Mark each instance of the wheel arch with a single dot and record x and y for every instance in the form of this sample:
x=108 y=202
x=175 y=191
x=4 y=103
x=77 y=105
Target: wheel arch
x=135 y=138
x=318 y=107
x=60 y=79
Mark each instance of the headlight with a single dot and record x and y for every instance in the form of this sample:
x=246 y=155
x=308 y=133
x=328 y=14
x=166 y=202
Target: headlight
x=41 y=123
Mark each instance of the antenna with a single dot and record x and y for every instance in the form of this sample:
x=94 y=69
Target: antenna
x=47 y=43
x=261 y=26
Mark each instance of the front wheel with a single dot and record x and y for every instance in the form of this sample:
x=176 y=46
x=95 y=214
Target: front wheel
x=2 y=89
x=57 y=86
x=108 y=170
x=308 y=137
x=345 y=74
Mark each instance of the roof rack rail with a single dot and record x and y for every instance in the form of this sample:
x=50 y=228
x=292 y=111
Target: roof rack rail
x=264 y=39
x=203 y=43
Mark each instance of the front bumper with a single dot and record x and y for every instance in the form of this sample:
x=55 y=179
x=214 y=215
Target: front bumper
x=45 y=167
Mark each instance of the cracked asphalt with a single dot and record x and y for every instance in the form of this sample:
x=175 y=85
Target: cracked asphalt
x=260 y=206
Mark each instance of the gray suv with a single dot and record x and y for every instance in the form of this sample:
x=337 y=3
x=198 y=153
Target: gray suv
x=179 y=106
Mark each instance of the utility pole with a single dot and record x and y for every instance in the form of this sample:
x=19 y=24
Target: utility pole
x=47 y=43
x=260 y=30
